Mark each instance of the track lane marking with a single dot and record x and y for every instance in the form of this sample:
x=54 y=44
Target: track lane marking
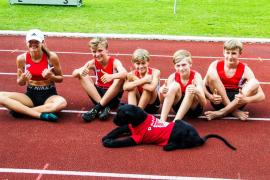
x=99 y=174
x=69 y=75
x=123 y=54
x=157 y=115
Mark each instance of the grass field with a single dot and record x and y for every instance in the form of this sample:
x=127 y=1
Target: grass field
x=241 y=18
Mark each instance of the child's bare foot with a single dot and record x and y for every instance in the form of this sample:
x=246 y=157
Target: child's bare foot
x=242 y=115
x=213 y=114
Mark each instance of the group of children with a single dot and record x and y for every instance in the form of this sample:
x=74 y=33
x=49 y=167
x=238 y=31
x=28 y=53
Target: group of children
x=229 y=84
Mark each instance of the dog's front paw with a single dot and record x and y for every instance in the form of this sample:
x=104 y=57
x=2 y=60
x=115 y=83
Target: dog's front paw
x=107 y=142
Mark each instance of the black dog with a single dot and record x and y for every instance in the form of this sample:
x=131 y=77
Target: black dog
x=136 y=127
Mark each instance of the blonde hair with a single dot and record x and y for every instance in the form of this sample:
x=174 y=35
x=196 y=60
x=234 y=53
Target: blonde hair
x=140 y=54
x=233 y=44
x=181 y=55
x=95 y=42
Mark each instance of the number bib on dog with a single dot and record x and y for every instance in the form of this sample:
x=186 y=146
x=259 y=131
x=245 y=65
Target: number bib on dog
x=152 y=131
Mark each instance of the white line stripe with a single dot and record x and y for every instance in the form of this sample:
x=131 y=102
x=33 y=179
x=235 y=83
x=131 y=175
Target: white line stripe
x=40 y=175
x=139 y=36
x=98 y=174
x=157 y=115
x=69 y=75
x=157 y=55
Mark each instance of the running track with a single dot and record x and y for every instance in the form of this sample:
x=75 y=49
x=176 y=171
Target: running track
x=32 y=149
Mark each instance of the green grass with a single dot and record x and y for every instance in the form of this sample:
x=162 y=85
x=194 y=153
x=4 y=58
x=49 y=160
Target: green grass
x=241 y=18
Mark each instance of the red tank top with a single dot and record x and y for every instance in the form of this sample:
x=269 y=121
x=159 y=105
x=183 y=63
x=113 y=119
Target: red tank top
x=178 y=79
x=108 y=69
x=149 y=71
x=36 y=68
x=235 y=81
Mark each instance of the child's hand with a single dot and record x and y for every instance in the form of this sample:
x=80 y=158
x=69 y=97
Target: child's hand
x=164 y=88
x=106 y=77
x=85 y=71
x=24 y=76
x=216 y=98
x=148 y=78
x=47 y=73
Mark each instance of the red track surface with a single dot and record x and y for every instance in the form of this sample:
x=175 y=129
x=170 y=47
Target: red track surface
x=75 y=146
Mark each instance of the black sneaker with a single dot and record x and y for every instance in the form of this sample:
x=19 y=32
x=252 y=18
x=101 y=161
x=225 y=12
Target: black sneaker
x=90 y=115
x=104 y=113
x=48 y=117
x=16 y=114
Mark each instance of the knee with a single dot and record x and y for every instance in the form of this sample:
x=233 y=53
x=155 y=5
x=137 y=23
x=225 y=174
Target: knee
x=174 y=88
x=56 y=106
x=3 y=97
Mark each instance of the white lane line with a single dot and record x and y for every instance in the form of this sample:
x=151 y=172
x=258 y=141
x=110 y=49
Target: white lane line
x=69 y=75
x=40 y=175
x=157 y=115
x=99 y=174
x=139 y=36
x=158 y=55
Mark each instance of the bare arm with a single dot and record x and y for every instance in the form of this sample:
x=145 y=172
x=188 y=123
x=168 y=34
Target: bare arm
x=199 y=89
x=55 y=73
x=22 y=77
x=154 y=83
x=84 y=70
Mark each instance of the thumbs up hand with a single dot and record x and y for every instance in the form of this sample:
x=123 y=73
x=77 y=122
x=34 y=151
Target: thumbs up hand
x=216 y=98
x=241 y=98
x=164 y=88
x=24 y=76
x=85 y=71
x=47 y=73
x=106 y=77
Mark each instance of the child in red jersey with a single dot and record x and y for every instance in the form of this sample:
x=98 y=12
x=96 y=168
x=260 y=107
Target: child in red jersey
x=106 y=91
x=230 y=84
x=184 y=89
x=40 y=69
x=142 y=83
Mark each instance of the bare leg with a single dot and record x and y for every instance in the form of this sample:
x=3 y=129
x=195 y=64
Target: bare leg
x=132 y=99
x=114 y=89
x=185 y=105
x=88 y=85
x=145 y=99
x=18 y=102
x=52 y=104
x=174 y=94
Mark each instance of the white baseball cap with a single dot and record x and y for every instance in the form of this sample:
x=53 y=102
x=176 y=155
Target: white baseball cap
x=34 y=34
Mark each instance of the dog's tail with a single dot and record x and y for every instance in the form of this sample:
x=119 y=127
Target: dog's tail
x=220 y=138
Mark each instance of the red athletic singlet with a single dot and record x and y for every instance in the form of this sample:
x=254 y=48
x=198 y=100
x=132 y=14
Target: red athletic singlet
x=108 y=69
x=178 y=79
x=149 y=71
x=235 y=81
x=36 y=68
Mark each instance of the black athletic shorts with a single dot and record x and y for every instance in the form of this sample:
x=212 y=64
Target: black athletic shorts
x=231 y=95
x=153 y=108
x=114 y=103
x=191 y=112
x=39 y=94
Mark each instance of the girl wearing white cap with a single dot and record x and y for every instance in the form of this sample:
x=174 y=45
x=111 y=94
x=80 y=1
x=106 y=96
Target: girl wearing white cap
x=39 y=69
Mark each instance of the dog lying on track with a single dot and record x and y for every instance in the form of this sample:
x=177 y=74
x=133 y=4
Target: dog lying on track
x=135 y=126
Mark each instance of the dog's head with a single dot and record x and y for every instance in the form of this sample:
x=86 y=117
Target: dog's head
x=129 y=114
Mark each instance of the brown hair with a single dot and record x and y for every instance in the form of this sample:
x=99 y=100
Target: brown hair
x=140 y=54
x=95 y=42
x=233 y=44
x=181 y=55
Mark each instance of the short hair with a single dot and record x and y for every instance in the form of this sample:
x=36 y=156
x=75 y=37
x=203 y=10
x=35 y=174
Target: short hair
x=140 y=54
x=95 y=42
x=181 y=55
x=233 y=44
